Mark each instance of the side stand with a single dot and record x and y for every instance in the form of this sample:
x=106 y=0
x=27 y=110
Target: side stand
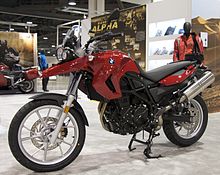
x=149 y=144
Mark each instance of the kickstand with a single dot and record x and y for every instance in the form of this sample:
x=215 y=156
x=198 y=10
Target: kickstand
x=131 y=142
x=149 y=142
x=133 y=139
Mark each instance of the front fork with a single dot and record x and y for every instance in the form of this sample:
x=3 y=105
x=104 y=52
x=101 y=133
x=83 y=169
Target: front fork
x=72 y=95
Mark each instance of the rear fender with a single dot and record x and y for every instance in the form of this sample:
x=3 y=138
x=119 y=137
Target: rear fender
x=59 y=98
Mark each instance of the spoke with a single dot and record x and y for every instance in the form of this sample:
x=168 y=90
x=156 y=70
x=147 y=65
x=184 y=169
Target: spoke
x=67 y=143
x=29 y=130
x=48 y=114
x=28 y=138
x=191 y=128
x=180 y=128
x=42 y=121
x=45 y=150
x=37 y=150
x=68 y=127
x=188 y=132
x=58 y=114
x=61 y=151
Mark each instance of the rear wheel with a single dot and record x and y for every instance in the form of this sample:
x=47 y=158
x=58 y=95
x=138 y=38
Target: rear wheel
x=26 y=86
x=29 y=134
x=184 y=133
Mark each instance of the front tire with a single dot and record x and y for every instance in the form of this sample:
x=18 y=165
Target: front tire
x=29 y=132
x=192 y=134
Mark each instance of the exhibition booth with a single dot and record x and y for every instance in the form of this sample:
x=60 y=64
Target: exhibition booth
x=116 y=99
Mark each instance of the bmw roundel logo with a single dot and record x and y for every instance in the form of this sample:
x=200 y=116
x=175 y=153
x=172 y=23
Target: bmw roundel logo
x=111 y=61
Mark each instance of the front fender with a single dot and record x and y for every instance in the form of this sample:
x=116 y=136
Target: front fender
x=59 y=98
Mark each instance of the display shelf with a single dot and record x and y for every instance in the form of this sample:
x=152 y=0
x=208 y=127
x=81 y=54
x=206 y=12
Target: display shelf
x=161 y=39
x=161 y=48
x=164 y=38
x=166 y=28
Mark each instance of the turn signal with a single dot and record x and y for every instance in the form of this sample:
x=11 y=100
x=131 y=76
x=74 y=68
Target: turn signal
x=91 y=57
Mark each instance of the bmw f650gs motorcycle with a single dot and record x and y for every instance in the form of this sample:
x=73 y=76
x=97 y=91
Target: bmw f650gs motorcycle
x=48 y=133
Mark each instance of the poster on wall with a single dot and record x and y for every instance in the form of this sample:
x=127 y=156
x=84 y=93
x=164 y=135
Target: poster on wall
x=20 y=47
x=212 y=57
x=132 y=22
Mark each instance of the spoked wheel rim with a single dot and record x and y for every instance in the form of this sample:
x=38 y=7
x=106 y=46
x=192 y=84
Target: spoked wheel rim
x=33 y=135
x=27 y=86
x=189 y=130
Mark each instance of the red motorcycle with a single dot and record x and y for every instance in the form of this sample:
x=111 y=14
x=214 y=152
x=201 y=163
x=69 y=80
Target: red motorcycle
x=48 y=133
x=12 y=75
x=12 y=79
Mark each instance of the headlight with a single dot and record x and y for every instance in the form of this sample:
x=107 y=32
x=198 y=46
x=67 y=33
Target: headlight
x=59 y=53
x=64 y=54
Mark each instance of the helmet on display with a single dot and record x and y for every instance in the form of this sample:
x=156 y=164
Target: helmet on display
x=187 y=28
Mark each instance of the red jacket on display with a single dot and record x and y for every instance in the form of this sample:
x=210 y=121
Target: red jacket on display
x=184 y=45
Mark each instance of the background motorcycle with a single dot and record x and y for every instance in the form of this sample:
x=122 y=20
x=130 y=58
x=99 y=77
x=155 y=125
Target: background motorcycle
x=11 y=73
x=48 y=133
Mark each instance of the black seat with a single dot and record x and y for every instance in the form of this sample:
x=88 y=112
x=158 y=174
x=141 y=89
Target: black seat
x=159 y=73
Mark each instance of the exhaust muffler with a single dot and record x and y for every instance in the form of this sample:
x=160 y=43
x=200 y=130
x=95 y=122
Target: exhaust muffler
x=196 y=88
x=191 y=92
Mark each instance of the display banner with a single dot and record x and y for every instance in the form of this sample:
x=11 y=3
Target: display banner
x=132 y=22
x=212 y=58
x=22 y=45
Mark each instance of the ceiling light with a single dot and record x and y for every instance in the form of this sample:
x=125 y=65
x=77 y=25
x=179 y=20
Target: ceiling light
x=29 y=22
x=64 y=34
x=45 y=38
x=11 y=29
x=72 y=2
x=84 y=16
x=53 y=45
x=48 y=51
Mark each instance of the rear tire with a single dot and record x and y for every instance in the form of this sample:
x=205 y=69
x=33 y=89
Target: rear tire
x=27 y=159
x=172 y=134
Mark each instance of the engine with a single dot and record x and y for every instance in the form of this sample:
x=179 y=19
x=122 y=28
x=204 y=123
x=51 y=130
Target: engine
x=125 y=116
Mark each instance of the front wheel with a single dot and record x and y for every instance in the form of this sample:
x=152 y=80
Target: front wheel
x=29 y=134
x=184 y=133
x=26 y=86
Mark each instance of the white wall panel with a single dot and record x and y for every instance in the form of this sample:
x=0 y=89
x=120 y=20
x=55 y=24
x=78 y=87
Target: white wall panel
x=206 y=8
x=86 y=25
